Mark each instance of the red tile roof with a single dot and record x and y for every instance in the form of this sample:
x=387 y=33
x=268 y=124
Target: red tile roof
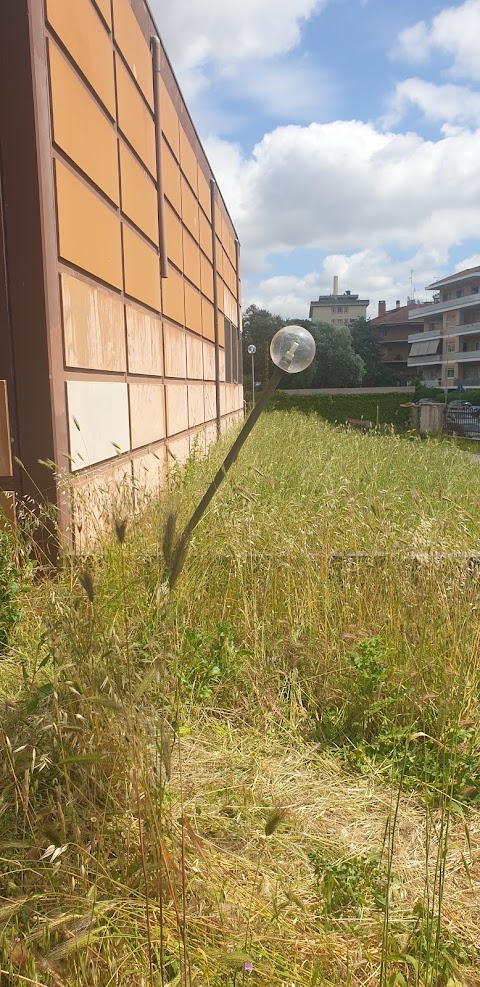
x=396 y=315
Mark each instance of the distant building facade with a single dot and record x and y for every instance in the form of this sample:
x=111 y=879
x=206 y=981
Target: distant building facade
x=445 y=350
x=338 y=310
x=394 y=328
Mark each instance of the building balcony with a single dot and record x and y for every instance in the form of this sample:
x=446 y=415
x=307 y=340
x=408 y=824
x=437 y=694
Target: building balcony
x=470 y=329
x=432 y=360
x=470 y=381
x=471 y=356
x=421 y=337
x=438 y=307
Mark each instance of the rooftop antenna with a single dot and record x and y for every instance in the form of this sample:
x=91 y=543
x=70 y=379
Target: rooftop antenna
x=412 y=293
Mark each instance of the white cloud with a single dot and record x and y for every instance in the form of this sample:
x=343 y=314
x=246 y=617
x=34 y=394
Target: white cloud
x=370 y=273
x=228 y=32
x=447 y=103
x=453 y=32
x=346 y=186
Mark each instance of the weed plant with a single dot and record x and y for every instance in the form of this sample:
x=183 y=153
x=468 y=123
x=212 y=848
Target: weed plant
x=270 y=775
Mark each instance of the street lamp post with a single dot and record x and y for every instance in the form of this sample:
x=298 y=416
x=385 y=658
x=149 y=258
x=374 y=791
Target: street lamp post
x=251 y=351
x=292 y=350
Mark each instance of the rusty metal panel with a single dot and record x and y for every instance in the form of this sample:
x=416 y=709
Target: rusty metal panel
x=173 y=296
x=5 y=444
x=139 y=195
x=81 y=31
x=171 y=179
x=188 y=161
x=88 y=231
x=191 y=259
x=80 y=128
x=142 y=270
x=193 y=308
x=134 y=118
x=133 y=46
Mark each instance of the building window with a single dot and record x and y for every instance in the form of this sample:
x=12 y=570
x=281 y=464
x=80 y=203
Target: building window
x=446 y=296
x=459 y=293
x=346 y=308
x=450 y=372
x=475 y=291
x=450 y=347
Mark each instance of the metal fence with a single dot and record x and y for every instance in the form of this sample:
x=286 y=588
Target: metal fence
x=463 y=421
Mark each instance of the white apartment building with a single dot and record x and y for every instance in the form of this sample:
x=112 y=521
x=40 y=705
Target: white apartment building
x=446 y=353
x=338 y=310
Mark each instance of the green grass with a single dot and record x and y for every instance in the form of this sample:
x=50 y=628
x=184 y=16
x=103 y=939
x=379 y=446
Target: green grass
x=277 y=764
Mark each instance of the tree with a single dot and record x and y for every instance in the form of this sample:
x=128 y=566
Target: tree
x=259 y=326
x=367 y=345
x=335 y=363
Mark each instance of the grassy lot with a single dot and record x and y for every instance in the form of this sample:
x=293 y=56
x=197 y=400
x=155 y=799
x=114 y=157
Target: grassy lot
x=269 y=776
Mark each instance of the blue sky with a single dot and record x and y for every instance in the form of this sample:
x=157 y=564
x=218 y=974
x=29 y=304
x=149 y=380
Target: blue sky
x=345 y=136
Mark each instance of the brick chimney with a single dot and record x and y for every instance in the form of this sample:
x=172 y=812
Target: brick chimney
x=397 y=303
x=382 y=308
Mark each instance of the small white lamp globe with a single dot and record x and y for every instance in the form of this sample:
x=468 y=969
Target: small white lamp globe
x=292 y=349
x=252 y=350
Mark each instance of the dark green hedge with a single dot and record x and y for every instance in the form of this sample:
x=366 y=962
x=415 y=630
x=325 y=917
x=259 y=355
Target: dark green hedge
x=438 y=395
x=340 y=408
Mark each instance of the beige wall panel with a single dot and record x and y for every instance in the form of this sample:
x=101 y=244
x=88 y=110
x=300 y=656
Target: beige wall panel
x=76 y=115
x=147 y=413
x=149 y=473
x=220 y=291
x=175 y=352
x=210 y=402
x=80 y=29
x=221 y=362
x=88 y=231
x=206 y=277
x=223 y=404
x=142 y=269
x=177 y=408
x=134 y=119
x=210 y=435
x=174 y=236
x=104 y=6
x=188 y=160
x=173 y=297
x=94 y=327
x=191 y=259
x=196 y=405
x=208 y=361
x=219 y=256
x=205 y=233
x=5 y=445
x=194 y=358
x=145 y=343
x=204 y=197
x=170 y=123
x=189 y=210
x=239 y=397
x=139 y=195
x=230 y=307
x=230 y=277
x=98 y=421
x=133 y=46
x=178 y=452
x=193 y=309
x=208 y=324
x=171 y=179
x=99 y=497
